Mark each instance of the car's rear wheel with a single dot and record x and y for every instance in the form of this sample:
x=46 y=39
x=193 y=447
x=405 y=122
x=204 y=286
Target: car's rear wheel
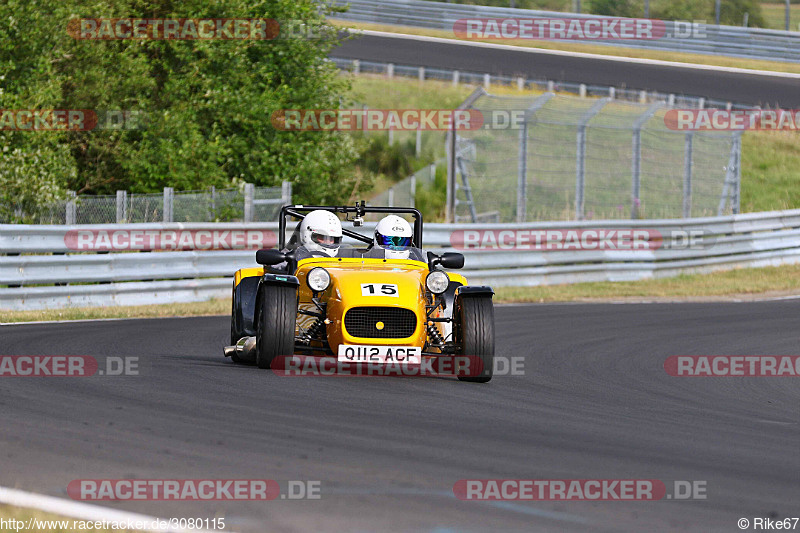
x=475 y=322
x=276 y=323
x=235 y=335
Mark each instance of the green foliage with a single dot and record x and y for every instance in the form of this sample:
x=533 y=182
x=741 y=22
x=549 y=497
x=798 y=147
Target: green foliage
x=732 y=12
x=681 y=10
x=430 y=199
x=207 y=103
x=613 y=8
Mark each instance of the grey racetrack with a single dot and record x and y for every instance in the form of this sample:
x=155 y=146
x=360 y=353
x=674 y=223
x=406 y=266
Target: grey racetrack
x=743 y=88
x=594 y=403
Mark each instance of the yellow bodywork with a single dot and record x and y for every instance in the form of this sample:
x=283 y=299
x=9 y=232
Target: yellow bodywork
x=345 y=292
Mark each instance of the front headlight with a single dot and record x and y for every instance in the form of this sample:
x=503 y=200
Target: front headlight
x=318 y=279
x=437 y=282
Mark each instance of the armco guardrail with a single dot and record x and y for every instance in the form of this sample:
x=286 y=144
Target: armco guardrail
x=718 y=40
x=40 y=268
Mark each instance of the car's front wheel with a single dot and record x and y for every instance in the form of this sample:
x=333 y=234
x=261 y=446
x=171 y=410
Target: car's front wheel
x=474 y=316
x=276 y=323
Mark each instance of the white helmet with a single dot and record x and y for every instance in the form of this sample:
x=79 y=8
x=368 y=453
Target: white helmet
x=393 y=234
x=321 y=231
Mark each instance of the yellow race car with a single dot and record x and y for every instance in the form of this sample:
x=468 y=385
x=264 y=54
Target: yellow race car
x=360 y=306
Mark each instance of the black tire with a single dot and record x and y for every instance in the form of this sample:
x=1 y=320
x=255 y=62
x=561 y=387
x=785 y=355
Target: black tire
x=276 y=323
x=234 y=334
x=475 y=323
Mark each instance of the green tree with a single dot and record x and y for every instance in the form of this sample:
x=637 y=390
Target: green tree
x=613 y=8
x=207 y=104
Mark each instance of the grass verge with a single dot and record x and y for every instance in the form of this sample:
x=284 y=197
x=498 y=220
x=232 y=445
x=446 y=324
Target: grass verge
x=740 y=283
x=617 y=51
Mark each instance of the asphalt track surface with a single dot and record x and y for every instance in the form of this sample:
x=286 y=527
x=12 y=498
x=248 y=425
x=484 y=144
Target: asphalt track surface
x=726 y=86
x=594 y=403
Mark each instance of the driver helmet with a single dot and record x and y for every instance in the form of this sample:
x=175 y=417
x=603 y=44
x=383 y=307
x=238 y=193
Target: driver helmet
x=393 y=234
x=321 y=232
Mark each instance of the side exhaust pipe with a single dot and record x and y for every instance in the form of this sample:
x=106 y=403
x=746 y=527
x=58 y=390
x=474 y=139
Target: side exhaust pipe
x=244 y=349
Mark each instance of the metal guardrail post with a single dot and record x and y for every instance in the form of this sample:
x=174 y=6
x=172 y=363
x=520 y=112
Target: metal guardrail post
x=687 y=174
x=122 y=207
x=413 y=190
x=71 y=209
x=249 y=192
x=286 y=192
x=356 y=67
x=390 y=198
x=580 y=163
x=418 y=143
x=168 y=202
x=455 y=78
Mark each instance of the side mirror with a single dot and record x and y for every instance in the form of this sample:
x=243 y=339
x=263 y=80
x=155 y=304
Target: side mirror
x=451 y=260
x=270 y=257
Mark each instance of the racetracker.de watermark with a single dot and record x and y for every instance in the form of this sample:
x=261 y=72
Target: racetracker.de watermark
x=555 y=239
x=577 y=490
x=733 y=120
x=169 y=239
x=173 y=29
x=192 y=490
x=575 y=29
x=447 y=366
x=733 y=365
x=70 y=120
x=67 y=366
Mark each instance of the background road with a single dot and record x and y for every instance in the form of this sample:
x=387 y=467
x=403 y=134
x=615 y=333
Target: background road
x=725 y=86
x=595 y=402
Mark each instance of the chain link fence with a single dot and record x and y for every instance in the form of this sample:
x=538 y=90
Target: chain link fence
x=248 y=204
x=587 y=158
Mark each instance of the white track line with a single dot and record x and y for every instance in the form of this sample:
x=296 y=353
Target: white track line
x=81 y=511
x=636 y=60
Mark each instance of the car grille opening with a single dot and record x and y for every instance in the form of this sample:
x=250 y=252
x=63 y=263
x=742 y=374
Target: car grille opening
x=398 y=323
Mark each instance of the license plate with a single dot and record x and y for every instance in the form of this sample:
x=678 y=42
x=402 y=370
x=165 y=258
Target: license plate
x=349 y=353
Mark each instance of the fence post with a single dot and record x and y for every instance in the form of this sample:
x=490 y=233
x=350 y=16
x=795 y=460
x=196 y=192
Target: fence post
x=451 y=175
x=636 y=160
x=122 y=207
x=71 y=209
x=687 y=175
x=413 y=190
x=582 y=90
x=418 y=143
x=580 y=162
x=487 y=81
x=249 y=192
x=522 y=173
x=520 y=84
x=421 y=74
x=390 y=70
x=356 y=67
x=738 y=200
x=391 y=136
x=286 y=192
x=391 y=197
x=455 y=78
x=168 y=196
x=213 y=214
